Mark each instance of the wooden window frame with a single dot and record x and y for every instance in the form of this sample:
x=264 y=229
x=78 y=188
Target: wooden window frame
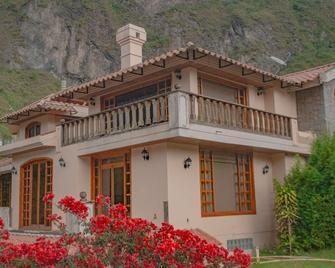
x=25 y=205
x=220 y=81
x=133 y=88
x=252 y=211
x=30 y=126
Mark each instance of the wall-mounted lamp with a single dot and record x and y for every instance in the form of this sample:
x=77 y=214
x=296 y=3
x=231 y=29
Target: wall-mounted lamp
x=92 y=101
x=266 y=169
x=178 y=74
x=187 y=162
x=145 y=154
x=61 y=162
x=260 y=91
x=13 y=170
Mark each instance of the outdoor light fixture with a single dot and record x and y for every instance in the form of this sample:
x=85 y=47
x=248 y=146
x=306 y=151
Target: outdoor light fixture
x=178 y=74
x=266 y=169
x=260 y=91
x=145 y=154
x=14 y=171
x=187 y=162
x=61 y=162
x=92 y=101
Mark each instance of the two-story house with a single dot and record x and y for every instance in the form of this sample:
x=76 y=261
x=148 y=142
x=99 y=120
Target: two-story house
x=189 y=137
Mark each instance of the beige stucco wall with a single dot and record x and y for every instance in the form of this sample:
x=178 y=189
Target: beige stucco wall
x=256 y=101
x=149 y=182
x=284 y=102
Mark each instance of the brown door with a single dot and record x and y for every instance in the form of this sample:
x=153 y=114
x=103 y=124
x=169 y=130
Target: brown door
x=36 y=182
x=112 y=182
x=112 y=178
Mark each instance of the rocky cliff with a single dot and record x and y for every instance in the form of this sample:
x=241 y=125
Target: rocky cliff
x=75 y=40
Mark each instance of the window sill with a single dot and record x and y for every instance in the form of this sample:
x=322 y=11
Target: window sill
x=228 y=213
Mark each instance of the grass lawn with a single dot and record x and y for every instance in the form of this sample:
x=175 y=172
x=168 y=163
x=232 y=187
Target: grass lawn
x=324 y=254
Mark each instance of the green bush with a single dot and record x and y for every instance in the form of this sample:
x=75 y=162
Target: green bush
x=314 y=184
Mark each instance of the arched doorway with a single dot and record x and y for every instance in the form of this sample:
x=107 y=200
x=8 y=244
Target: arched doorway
x=36 y=182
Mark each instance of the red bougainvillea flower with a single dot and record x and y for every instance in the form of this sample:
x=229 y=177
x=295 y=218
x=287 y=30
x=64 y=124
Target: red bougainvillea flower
x=71 y=205
x=100 y=223
x=54 y=217
x=4 y=235
x=48 y=197
x=100 y=199
x=118 y=211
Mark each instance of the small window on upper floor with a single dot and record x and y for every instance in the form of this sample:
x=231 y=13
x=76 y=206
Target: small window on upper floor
x=221 y=91
x=33 y=129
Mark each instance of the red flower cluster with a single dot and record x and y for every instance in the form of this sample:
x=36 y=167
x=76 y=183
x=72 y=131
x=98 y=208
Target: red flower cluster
x=48 y=197
x=4 y=234
x=102 y=200
x=71 y=205
x=115 y=240
x=41 y=253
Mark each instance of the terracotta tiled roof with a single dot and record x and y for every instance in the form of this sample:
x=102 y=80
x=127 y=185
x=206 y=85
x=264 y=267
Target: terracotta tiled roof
x=203 y=235
x=47 y=103
x=156 y=60
x=309 y=74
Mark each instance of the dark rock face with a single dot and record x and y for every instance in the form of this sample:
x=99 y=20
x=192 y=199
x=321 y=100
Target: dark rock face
x=75 y=40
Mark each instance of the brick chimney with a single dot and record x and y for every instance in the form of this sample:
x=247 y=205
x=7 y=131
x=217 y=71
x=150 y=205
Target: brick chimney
x=131 y=39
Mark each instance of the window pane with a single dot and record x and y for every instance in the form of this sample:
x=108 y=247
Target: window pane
x=224 y=169
x=106 y=185
x=218 y=91
x=118 y=186
x=42 y=192
x=34 y=194
x=138 y=94
x=5 y=181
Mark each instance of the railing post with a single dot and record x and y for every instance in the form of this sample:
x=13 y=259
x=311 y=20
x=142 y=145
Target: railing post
x=147 y=105
x=294 y=130
x=114 y=116
x=179 y=111
x=120 y=115
x=127 y=118
x=60 y=135
x=108 y=122
x=162 y=106
x=140 y=115
x=133 y=116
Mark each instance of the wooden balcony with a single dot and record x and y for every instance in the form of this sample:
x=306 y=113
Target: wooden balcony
x=133 y=116
x=224 y=114
x=199 y=110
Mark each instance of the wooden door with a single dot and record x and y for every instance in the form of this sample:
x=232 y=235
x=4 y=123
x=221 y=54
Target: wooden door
x=36 y=182
x=111 y=177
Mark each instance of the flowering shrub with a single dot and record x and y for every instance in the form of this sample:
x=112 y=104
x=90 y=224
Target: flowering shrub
x=115 y=240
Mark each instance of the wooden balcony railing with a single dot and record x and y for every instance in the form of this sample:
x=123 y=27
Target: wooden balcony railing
x=128 y=117
x=230 y=115
x=155 y=110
